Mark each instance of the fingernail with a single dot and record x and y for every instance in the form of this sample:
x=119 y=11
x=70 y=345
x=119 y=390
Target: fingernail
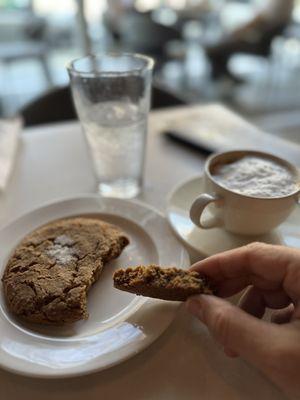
x=195 y=308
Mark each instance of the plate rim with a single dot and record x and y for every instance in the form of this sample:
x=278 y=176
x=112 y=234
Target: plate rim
x=78 y=197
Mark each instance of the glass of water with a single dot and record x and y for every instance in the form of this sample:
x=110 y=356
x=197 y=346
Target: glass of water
x=112 y=93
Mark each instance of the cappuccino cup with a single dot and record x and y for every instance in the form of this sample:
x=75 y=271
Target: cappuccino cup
x=246 y=192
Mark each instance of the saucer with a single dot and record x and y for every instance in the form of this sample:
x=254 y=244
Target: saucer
x=208 y=242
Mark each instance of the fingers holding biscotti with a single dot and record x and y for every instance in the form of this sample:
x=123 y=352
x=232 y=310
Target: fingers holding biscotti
x=266 y=267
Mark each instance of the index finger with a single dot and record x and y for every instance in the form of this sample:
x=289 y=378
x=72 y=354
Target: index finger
x=265 y=266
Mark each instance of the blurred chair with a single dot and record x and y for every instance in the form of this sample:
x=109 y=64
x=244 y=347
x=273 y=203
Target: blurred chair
x=219 y=54
x=138 y=32
x=57 y=106
x=28 y=42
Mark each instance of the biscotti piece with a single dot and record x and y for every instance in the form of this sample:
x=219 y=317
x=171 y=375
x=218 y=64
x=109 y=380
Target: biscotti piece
x=47 y=278
x=162 y=283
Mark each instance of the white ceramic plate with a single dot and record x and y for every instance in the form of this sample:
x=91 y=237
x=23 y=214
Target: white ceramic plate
x=120 y=324
x=207 y=242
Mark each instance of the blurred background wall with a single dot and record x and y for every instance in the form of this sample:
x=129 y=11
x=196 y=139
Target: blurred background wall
x=244 y=53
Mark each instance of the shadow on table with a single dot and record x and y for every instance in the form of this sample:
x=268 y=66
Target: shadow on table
x=183 y=363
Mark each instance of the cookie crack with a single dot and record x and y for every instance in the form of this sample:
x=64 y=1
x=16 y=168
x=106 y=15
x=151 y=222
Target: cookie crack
x=32 y=286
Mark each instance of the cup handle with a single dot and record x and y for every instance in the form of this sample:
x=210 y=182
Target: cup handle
x=197 y=209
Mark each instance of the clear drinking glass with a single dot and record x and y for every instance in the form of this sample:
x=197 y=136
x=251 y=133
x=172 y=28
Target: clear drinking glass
x=111 y=93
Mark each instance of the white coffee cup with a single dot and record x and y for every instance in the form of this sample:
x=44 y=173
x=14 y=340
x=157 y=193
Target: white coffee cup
x=239 y=213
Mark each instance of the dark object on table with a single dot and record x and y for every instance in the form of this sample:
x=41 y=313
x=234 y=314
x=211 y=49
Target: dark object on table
x=161 y=283
x=194 y=143
x=57 y=106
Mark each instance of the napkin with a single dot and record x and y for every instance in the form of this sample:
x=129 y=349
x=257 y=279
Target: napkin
x=10 y=130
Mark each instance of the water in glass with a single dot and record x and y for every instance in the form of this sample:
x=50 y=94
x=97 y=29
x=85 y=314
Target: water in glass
x=116 y=133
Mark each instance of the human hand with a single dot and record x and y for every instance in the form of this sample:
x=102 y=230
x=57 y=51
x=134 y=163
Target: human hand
x=273 y=276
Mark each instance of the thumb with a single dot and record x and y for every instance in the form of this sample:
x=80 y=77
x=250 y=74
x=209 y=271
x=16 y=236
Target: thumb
x=236 y=330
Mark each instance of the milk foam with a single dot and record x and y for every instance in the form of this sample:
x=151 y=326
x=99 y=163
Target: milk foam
x=257 y=177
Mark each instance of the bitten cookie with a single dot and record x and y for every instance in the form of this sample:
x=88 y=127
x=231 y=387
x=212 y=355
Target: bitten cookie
x=47 y=278
x=162 y=283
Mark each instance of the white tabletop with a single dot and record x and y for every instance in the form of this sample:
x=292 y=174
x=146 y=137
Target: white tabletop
x=184 y=363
